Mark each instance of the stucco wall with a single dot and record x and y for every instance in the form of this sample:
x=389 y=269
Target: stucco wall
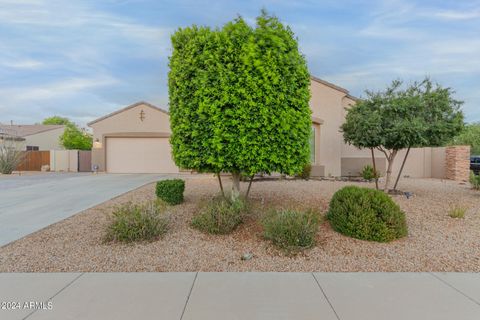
x=327 y=104
x=421 y=162
x=64 y=160
x=127 y=122
x=47 y=140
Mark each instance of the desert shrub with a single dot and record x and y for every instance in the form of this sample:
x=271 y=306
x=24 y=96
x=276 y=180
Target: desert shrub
x=220 y=216
x=368 y=173
x=306 y=172
x=10 y=156
x=366 y=214
x=457 y=211
x=171 y=191
x=291 y=230
x=137 y=221
x=475 y=180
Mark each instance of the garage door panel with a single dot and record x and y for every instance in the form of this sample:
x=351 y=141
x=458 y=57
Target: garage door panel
x=139 y=155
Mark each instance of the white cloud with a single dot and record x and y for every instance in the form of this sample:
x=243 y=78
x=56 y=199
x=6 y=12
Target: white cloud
x=22 y=64
x=457 y=15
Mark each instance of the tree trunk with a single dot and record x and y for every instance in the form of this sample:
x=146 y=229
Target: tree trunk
x=221 y=185
x=374 y=168
x=401 y=169
x=390 y=159
x=235 y=186
x=249 y=186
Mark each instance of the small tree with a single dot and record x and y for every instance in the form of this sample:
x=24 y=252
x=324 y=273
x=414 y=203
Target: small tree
x=394 y=119
x=239 y=100
x=470 y=136
x=73 y=138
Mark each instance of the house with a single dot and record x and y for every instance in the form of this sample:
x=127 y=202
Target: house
x=135 y=139
x=33 y=137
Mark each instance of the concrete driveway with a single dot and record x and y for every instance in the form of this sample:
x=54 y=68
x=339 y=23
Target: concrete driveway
x=31 y=202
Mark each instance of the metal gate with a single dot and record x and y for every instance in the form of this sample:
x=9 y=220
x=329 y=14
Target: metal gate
x=84 y=161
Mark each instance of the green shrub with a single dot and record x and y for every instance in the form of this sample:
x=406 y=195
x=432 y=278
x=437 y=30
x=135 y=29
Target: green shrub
x=136 y=222
x=368 y=173
x=475 y=180
x=291 y=230
x=171 y=191
x=220 y=216
x=457 y=212
x=366 y=214
x=306 y=172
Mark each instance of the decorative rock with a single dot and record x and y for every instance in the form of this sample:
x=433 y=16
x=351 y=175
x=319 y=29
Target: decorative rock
x=247 y=256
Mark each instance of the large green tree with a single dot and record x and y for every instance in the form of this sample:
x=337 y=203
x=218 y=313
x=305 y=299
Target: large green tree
x=239 y=99
x=420 y=115
x=73 y=138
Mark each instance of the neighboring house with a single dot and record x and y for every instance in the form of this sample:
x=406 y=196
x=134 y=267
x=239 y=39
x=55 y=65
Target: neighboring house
x=135 y=139
x=34 y=137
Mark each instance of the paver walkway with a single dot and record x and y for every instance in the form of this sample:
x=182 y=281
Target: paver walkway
x=32 y=202
x=231 y=296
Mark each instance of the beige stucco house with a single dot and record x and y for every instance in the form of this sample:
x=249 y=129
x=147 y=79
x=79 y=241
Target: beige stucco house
x=135 y=139
x=35 y=136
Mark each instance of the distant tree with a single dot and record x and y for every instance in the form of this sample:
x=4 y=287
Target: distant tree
x=73 y=138
x=56 y=120
x=420 y=115
x=239 y=99
x=470 y=136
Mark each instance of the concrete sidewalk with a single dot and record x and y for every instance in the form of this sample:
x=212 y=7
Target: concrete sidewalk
x=225 y=296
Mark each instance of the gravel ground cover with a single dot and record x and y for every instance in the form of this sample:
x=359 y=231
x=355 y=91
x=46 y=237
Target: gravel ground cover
x=435 y=242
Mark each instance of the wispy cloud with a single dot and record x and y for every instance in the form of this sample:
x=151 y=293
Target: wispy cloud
x=84 y=58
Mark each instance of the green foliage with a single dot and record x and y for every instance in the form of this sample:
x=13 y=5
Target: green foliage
x=291 y=230
x=368 y=173
x=420 y=115
x=306 y=172
x=137 y=222
x=170 y=191
x=475 y=180
x=366 y=214
x=239 y=98
x=457 y=212
x=469 y=136
x=75 y=139
x=72 y=138
x=56 y=120
x=220 y=216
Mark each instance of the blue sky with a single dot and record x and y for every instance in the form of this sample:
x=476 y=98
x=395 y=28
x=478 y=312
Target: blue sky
x=85 y=58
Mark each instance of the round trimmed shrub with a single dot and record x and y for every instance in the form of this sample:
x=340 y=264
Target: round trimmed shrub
x=366 y=214
x=171 y=191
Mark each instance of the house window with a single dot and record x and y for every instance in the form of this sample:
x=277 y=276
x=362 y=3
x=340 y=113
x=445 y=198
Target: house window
x=312 y=146
x=32 y=148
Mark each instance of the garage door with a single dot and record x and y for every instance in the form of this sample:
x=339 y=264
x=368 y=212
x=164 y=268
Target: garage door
x=139 y=155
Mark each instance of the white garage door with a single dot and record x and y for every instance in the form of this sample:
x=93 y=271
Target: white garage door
x=139 y=155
